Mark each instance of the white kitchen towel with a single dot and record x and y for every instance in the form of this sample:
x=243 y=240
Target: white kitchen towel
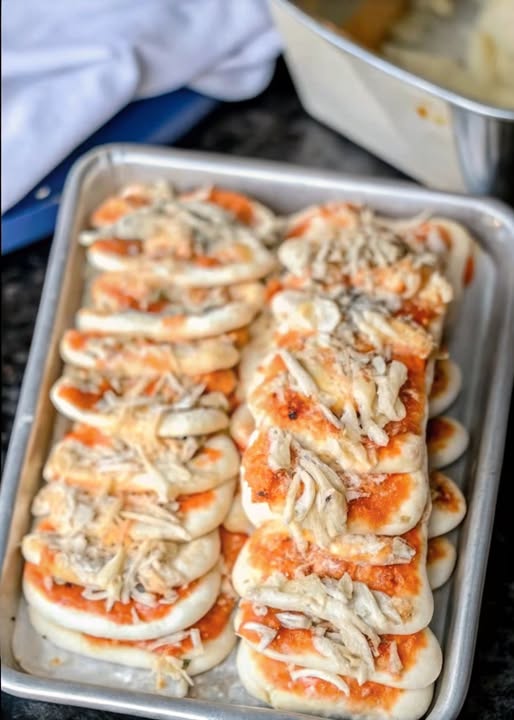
x=70 y=65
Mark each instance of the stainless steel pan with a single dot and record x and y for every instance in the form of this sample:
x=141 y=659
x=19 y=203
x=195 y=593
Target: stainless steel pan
x=443 y=139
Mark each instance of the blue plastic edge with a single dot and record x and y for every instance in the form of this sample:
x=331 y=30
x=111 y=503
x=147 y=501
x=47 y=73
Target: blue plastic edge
x=158 y=120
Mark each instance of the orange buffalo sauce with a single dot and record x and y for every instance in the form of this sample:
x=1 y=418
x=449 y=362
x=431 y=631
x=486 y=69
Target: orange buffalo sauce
x=236 y=203
x=265 y=484
x=436 y=549
x=409 y=647
x=223 y=381
x=369 y=695
x=207 y=456
x=443 y=494
x=79 y=398
x=195 y=501
x=116 y=246
x=45 y=525
x=210 y=626
x=423 y=230
x=123 y=300
x=300 y=228
x=286 y=641
x=239 y=337
x=154 y=307
x=379 y=506
x=272 y=287
x=422 y=314
x=440 y=381
x=173 y=322
x=206 y=261
x=469 y=271
x=76 y=339
x=71 y=596
x=413 y=396
x=382 y=504
x=277 y=552
x=336 y=212
x=115 y=208
x=153 y=358
x=294 y=340
x=88 y=435
x=439 y=432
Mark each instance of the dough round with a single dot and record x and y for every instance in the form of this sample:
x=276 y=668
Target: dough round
x=422 y=662
x=447 y=441
x=93 y=620
x=133 y=653
x=91 y=460
x=441 y=559
x=446 y=386
x=448 y=505
x=261 y=677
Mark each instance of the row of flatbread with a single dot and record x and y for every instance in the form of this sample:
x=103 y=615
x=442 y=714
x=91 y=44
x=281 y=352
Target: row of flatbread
x=344 y=368
x=135 y=533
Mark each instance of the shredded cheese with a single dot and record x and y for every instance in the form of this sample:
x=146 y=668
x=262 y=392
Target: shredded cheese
x=329 y=677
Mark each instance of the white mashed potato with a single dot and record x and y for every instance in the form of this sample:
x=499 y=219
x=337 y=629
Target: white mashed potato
x=485 y=70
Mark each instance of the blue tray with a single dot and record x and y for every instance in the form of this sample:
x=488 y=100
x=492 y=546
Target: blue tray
x=158 y=120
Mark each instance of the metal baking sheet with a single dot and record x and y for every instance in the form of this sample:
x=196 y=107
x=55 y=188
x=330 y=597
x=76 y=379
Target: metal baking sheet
x=486 y=322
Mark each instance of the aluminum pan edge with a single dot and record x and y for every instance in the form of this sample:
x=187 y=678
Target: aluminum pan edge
x=453 y=685
x=390 y=68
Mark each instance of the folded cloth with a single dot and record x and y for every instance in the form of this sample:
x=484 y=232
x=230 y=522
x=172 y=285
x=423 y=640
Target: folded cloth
x=69 y=66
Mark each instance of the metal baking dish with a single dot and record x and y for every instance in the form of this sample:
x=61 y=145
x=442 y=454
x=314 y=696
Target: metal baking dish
x=441 y=138
x=487 y=322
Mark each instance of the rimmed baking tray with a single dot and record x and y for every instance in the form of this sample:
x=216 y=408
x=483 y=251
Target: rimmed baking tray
x=481 y=341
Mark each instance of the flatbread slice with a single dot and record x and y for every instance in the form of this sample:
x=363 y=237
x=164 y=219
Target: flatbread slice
x=339 y=414
x=441 y=559
x=382 y=240
x=152 y=308
x=297 y=689
x=341 y=245
x=448 y=505
x=96 y=462
x=230 y=255
x=112 y=572
x=65 y=605
x=450 y=241
x=349 y=316
x=148 y=207
x=152 y=408
x=138 y=357
x=403 y=661
x=139 y=516
x=445 y=387
x=397 y=597
x=283 y=480
x=447 y=441
x=130 y=198
x=200 y=647
x=164 y=658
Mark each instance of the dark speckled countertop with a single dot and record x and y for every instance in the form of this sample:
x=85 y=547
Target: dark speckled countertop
x=274 y=126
